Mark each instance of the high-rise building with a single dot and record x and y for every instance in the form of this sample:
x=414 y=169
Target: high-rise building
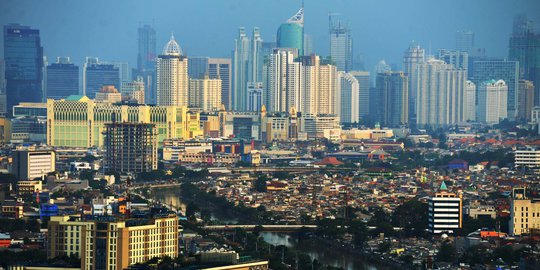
x=197 y=67
x=23 y=56
x=308 y=44
x=97 y=75
x=445 y=212
x=256 y=59
x=146 y=61
x=62 y=79
x=134 y=91
x=112 y=243
x=291 y=33
x=439 y=93
x=255 y=96
x=492 y=101
x=29 y=164
x=464 y=41
x=527 y=158
x=283 y=81
x=2 y=88
x=524 y=46
x=341 y=44
x=205 y=94
x=130 y=147
x=215 y=68
x=328 y=89
x=458 y=59
x=413 y=56
x=493 y=69
x=525 y=100
x=469 y=102
x=349 y=95
x=523 y=212
x=80 y=122
x=172 y=76
x=240 y=71
x=363 y=92
x=392 y=99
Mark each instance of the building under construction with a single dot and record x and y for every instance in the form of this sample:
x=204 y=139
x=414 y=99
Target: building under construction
x=131 y=147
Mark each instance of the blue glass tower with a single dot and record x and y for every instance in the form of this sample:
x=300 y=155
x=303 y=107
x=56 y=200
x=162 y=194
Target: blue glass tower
x=24 y=65
x=62 y=79
x=291 y=33
x=97 y=75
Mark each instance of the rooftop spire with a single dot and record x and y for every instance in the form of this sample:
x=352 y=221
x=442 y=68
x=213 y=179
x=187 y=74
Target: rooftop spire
x=298 y=17
x=172 y=47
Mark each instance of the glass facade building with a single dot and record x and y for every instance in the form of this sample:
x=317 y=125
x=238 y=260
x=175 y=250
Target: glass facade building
x=291 y=33
x=97 y=75
x=62 y=79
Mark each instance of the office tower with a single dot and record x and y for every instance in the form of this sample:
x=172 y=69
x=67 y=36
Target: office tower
x=392 y=99
x=283 y=83
x=341 y=44
x=215 y=68
x=458 y=59
x=523 y=213
x=108 y=94
x=527 y=158
x=413 y=56
x=291 y=33
x=113 y=243
x=2 y=88
x=328 y=89
x=123 y=71
x=205 y=94
x=524 y=46
x=197 y=67
x=319 y=87
x=494 y=69
x=240 y=71
x=469 y=102
x=146 y=61
x=130 y=147
x=445 y=212
x=439 y=95
x=268 y=47
x=255 y=96
x=525 y=100
x=256 y=59
x=62 y=79
x=23 y=56
x=492 y=101
x=363 y=92
x=29 y=164
x=97 y=75
x=349 y=95
x=133 y=91
x=79 y=122
x=308 y=44
x=172 y=76
x=464 y=41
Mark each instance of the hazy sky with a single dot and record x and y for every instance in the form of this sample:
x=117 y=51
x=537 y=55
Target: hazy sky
x=382 y=29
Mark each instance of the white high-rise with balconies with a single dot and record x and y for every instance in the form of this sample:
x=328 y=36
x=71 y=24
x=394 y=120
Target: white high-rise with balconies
x=172 y=76
x=492 y=102
x=349 y=87
x=469 y=102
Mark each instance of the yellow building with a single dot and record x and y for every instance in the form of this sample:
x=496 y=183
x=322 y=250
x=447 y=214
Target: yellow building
x=106 y=243
x=524 y=213
x=5 y=130
x=78 y=121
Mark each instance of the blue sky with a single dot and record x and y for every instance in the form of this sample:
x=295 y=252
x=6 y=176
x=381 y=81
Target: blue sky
x=382 y=29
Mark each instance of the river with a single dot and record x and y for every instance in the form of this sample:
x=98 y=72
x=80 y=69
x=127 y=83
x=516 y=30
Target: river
x=324 y=254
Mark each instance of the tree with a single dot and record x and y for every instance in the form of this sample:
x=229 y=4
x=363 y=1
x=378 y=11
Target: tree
x=260 y=183
x=447 y=253
x=412 y=216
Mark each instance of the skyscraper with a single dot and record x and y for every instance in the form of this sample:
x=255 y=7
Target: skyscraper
x=445 y=211
x=215 y=68
x=205 y=94
x=439 y=95
x=363 y=92
x=469 y=102
x=492 y=102
x=2 y=88
x=62 y=79
x=291 y=33
x=341 y=45
x=499 y=69
x=133 y=91
x=392 y=99
x=413 y=56
x=23 y=57
x=146 y=61
x=464 y=41
x=524 y=46
x=284 y=82
x=525 y=100
x=255 y=96
x=240 y=71
x=349 y=94
x=172 y=76
x=97 y=75
x=458 y=59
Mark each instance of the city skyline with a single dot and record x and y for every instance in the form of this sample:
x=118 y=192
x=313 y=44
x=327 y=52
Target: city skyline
x=78 y=40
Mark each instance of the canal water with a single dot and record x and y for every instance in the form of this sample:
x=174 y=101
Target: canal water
x=324 y=254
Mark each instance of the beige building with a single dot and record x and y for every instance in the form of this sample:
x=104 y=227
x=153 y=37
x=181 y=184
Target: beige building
x=108 y=243
x=29 y=164
x=29 y=187
x=205 y=94
x=108 y=94
x=172 y=76
x=133 y=91
x=524 y=213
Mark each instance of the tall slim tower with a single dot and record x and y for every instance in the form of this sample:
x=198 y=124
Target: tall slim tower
x=291 y=33
x=62 y=79
x=363 y=92
x=413 y=56
x=172 y=76
x=341 y=44
x=23 y=57
x=240 y=71
x=146 y=61
x=284 y=81
x=349 y=88
x=392 y=99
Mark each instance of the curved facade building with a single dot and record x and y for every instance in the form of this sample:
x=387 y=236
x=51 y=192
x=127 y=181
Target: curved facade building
x=291 y=33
